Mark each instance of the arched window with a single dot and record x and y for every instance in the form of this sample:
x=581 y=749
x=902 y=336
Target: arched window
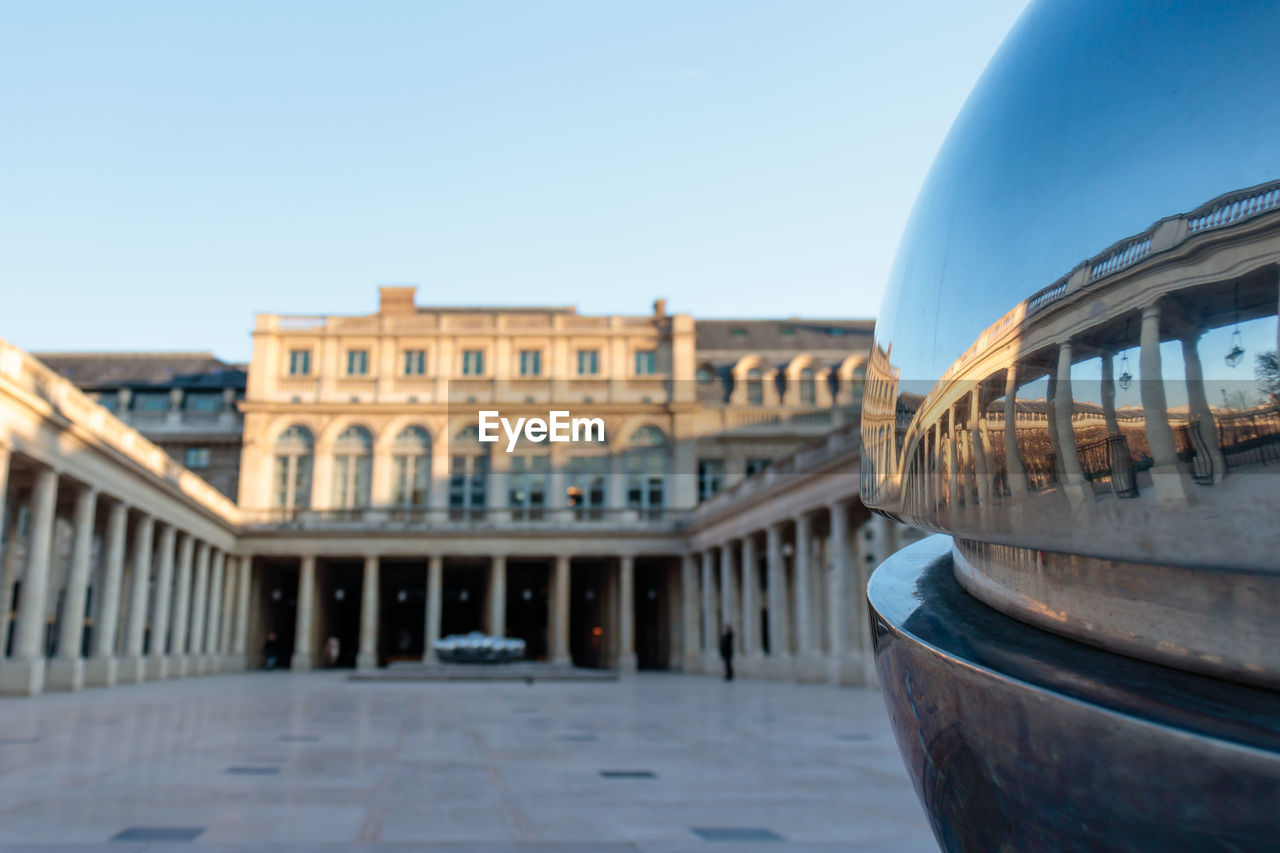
x=411 y=467
x=468 y=474
x=808 y=387
x=646 y=468
x=291 y=479
x=755 y=387
x=352 y=468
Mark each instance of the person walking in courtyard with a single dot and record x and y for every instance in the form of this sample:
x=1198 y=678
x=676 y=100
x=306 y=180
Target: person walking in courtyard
x=332 y=650
x=726 y=651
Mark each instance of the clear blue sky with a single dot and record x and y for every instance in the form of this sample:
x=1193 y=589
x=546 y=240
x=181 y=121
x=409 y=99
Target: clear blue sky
x=169 y=169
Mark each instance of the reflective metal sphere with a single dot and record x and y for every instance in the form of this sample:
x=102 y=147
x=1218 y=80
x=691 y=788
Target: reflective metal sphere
x=1075 y=374
x=1077 y=351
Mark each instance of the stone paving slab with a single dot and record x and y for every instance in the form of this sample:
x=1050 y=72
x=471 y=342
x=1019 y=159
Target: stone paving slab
x=284 y=762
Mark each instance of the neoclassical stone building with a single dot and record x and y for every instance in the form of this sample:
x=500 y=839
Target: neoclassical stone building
x=724 y=492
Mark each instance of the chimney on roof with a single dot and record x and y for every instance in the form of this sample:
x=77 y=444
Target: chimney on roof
x=660 y=307
x=396 y=300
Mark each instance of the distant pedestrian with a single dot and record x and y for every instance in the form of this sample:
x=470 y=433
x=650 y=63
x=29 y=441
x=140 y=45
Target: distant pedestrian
x=726 y=651
x=332 y=649
x=271 y=650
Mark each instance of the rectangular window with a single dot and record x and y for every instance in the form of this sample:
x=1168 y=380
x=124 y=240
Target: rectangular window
x=151 y=402
x=202 y=403
x=710 y=478
x=585 y=490
x=415 y=362
x=646 y=362
x=299 y=362
x=530 y=362
x=357 y=362
x=755 y=466
x=109 y=400
x=527 y=486
x=473 y=362
x=409 y=480
x=468 y=479
x=588 y=362
x=196 y=458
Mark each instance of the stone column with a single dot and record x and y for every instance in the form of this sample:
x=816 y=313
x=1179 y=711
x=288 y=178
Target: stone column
x=496 y=609
x=231 y=574
x=181 y=627
x=1064 y=404
x=1172 y=485
x=199 y=601
x=162 y=601
x=9 y=569
x=750 y=633
x=1108 y=393
x=710 y=625
x=779 y=624
x=66 y=670
x=22 y=673
x=689 y=600
x=862 y=566
x=1201 y=415
x=953 y=462
x=100 y=670
x=808 y=662
x=560 y=612
x=626 y=614
x=243 y=587
x=213 y=622
x=435 y=583
x=367 y=658
x=132 y=667
x=729 y=594
x=842 y=665
x=1016 y=471
x=302 y=659
x=976 y=419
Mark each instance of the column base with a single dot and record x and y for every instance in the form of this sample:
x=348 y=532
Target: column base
x=157 y=668
x=692 y=662
x=810 y=668
x=179 y=666
x=202 y=665
x=751 y=666
x=366 y=661
x=846 y=671
x=711 y=663
x=20 y=677
x=780 y=667
x=300 y=662
x=1172 y=485
x=558 y=660
x=234 y=663
x=626 y=663
x=65 y=674
x=131 y=670
x=100 y=672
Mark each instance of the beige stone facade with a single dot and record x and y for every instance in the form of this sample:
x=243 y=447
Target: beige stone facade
x=725 y=492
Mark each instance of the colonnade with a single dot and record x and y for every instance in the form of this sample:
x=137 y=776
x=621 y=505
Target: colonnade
x=955 y=461
x=106 y=592
x=794 y=592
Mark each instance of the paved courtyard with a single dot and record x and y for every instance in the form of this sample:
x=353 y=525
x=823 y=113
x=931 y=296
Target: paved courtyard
x=275 y=761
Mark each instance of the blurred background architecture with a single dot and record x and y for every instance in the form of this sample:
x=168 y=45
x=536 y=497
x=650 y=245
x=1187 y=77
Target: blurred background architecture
x=168 y=514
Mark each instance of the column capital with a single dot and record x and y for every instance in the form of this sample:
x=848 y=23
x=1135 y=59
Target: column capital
x=1151 y=310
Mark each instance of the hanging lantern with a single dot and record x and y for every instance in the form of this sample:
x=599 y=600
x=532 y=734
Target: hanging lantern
x=1236 y=353
x=1126 y=375
x=1237 y=340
